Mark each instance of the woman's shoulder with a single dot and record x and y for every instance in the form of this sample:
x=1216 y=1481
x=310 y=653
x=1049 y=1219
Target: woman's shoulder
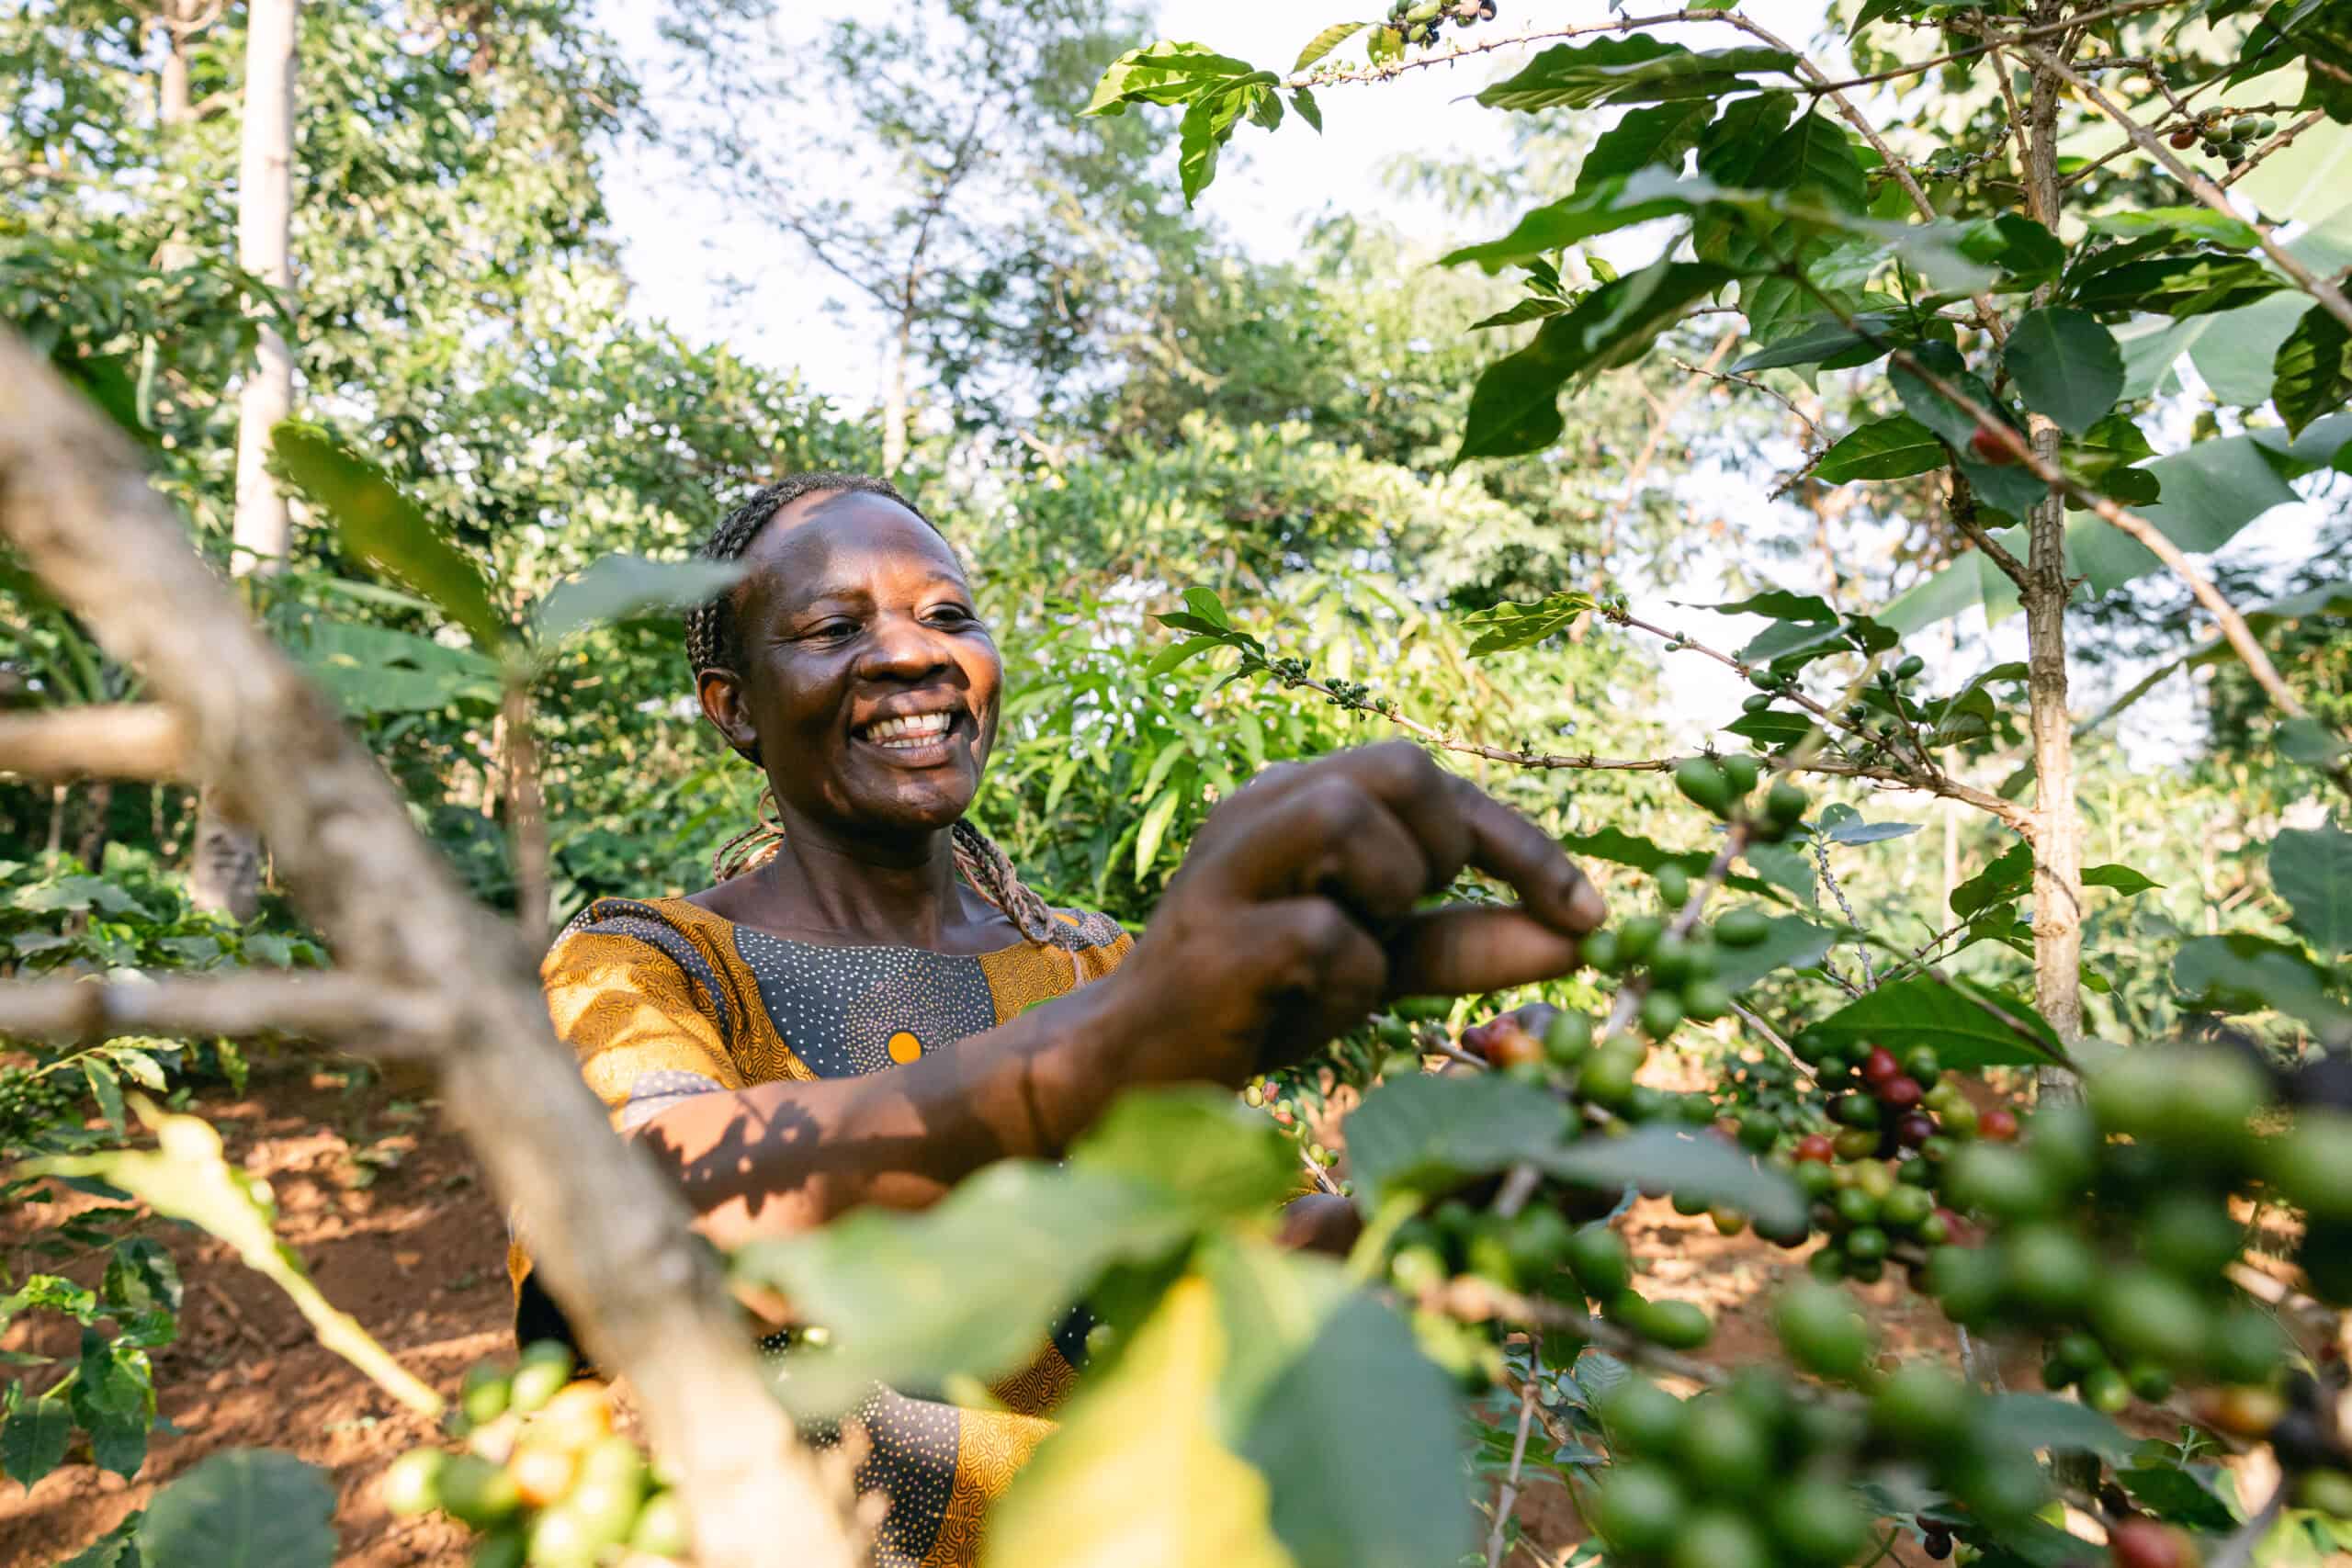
x=1080 y=929
x=677 y=928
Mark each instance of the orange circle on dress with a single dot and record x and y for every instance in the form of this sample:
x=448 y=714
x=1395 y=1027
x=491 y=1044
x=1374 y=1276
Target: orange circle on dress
x=904 y=1047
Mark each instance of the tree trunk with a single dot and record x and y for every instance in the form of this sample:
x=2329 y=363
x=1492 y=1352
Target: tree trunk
x=894 y=397
x=172 y=104
x=226 y=874
x=2057 y=824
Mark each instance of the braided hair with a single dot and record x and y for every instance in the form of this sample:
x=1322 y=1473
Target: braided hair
x=714 y=641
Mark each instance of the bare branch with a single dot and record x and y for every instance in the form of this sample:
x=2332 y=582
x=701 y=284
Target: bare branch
x=330 y=1006
x=113 y=740
x=612 y=1233
x=2204 y=189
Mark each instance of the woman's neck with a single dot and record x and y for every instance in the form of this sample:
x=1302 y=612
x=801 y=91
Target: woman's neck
x=903 y=889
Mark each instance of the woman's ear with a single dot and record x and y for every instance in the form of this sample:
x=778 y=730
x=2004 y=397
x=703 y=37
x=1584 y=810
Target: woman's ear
x=721 y=691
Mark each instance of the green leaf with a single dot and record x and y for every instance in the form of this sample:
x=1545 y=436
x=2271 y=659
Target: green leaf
x=2122 y=878
x=378 y=523
x=1365 y=1436
x=118 y=1548
x=1833 y=343
x=2026 y=253
x=1164 y=72
x=2005 y=880
x=1503 y=626
x=1308 y=109
x=2175 y=286
x=32 y=1439
x=244 y=1508
x=2177 y=1497
x=1607 y=205
x=106 y=1085
x=1429 y=1135
x=2312 y=372
x=1384 y=44
x=371 y=670
x=1515 y=407
x=1884 y=449
x=1274 y=1301
x=1812 y=154
x=1659 y=135
x=1207 y=126
x=2013 y=490
x=1632 y=69
x=1155 y=818
x=1692 y=1165
x=1324 y=42
x=2008 y=1422
x=1924 y=1010
x=2199 y=223
x=1614 y=844
x=2065 y=365
x=1534 y=308
x=2311 y=869
x=2238 y=972
x=972 y=1284
x=1792 y=942
x=621 y=587
x=1135 y=1472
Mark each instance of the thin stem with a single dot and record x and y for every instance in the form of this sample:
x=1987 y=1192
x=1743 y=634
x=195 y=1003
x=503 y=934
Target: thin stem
x=1509 y=1498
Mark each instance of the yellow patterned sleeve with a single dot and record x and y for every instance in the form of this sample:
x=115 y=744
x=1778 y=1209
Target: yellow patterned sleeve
x=634 y=1009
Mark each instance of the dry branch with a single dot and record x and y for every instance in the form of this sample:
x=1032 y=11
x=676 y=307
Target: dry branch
x=115 y=740
x=611 y=1233
x=321 y=1007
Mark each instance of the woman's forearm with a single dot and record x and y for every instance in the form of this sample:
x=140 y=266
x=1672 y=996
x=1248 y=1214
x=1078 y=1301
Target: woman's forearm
x=781 y=1157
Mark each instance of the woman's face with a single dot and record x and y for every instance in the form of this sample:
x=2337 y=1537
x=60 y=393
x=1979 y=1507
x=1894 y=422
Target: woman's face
x=868 y=685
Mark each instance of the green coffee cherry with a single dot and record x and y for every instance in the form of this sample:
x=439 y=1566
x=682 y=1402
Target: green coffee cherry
x=1910 y=666
x=1673 y=885
x=1785 y=803
x=476 y=1492
x=2145 y=1314
x=1822 y=1332
x=1700 y=780
x=1704 y=1001
x=1640 y=1508
x=413 y=1482
x=1740 y=771
x=1640 y=1418
x=1816 y=1524
x=1567 y=1038
x=2312 y=1163
x=1636 y=936
x=1597 y=1256
x=2047 y=1269
x=1921 y=1406
x=1743 y=927
x=1678 y=1326
x=1724 y=1445
x=662 y=1528
x=1717 y=1537
x=483 y=1394
x=1661 y=1014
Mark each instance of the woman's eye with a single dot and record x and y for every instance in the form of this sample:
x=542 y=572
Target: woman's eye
x=832 y=631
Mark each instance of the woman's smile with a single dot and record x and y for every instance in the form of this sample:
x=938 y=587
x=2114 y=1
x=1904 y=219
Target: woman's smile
x=918 y=736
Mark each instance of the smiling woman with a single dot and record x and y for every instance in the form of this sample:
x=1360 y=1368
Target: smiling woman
x=850 y=1015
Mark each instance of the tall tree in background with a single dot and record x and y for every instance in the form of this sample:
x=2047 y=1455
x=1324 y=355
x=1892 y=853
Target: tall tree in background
x=226 y=874
x=926 y=158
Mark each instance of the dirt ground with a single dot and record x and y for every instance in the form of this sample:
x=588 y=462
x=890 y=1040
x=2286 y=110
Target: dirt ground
x=387 y=1211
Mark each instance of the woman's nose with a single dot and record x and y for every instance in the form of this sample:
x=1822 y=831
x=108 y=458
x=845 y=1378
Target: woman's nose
x=903 y=646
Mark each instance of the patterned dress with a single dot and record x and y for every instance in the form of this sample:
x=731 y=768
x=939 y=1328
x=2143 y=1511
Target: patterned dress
x=663 y=1001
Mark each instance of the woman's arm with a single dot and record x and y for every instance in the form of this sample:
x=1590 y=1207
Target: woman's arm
x=1292 y=919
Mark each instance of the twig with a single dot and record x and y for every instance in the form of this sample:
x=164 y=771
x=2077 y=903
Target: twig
x=2234 y=627
x=111 y=741
x=2276 y=143
x=1812 y=431
x=1767 y=1031
x=2205 y=190
x=1862 y=938
x=1474 y=1299
x=1509 y=1498
x=237 y=1318
x=384 y=1020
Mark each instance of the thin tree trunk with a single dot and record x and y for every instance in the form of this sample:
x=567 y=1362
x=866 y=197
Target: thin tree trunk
x=174 y=105
x=226 y=874
x=894 y=397
x=2058 y=825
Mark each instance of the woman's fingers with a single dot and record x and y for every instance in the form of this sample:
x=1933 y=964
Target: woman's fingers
x=1505 y=845
x=1320 y=969
x=1467 y=948
x=1320 y=831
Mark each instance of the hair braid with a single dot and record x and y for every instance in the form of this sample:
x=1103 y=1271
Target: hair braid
x=713 y=642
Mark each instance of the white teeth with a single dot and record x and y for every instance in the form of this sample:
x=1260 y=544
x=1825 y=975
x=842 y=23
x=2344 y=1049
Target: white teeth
x=915 y=729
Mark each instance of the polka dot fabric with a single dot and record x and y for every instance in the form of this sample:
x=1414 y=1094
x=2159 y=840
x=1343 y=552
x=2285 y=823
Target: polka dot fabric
x=663 y=1001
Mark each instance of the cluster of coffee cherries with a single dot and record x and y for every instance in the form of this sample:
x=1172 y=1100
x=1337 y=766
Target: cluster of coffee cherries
x=1558 y=1247
x=2111 y=1232
x=2226 y=134
x=31 y=1100
x=1288 y=1103
x=1422 y=21
x=543 y=1475
x=1873 y=1178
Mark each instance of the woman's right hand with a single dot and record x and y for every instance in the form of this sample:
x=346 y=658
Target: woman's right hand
x=1294 y=916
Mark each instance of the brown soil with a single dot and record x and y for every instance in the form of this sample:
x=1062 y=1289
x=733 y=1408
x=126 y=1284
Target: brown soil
x=387 y=1212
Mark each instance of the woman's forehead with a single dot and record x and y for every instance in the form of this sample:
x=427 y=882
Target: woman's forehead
x=841 y=539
